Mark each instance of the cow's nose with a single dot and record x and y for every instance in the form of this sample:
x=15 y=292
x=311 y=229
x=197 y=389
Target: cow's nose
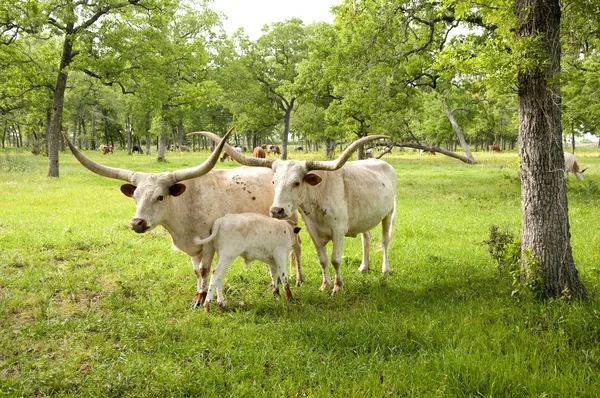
x=277 y=212
x=139 y=225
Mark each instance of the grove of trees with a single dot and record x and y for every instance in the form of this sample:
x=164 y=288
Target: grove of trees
x=446 y=75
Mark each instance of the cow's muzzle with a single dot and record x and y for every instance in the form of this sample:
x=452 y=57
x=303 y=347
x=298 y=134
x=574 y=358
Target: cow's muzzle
x=278 y=212
x=139 y=225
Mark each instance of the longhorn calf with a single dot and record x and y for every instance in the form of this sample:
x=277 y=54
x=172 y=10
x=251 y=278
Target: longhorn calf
x=571 y=166
x=187 y=202
x=334 y=201
x=254 y=237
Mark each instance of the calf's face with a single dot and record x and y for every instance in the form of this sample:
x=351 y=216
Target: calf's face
x=151 y=195
x=292 y=179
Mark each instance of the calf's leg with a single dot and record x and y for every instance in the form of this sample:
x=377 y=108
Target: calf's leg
x=216 y=281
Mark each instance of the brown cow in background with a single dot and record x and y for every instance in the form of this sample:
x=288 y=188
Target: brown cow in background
x=259 y=153
x=494 y=148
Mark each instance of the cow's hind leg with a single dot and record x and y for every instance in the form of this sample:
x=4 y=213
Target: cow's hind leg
x=387 y=224
x=366 y=244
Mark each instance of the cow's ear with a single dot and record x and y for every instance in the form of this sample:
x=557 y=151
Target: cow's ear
x=312 y=179
x=583 y=171
x=128 y=189
x=177 y=189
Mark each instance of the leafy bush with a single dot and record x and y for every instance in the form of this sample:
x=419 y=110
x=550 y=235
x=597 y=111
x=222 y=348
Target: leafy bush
x=505 y=248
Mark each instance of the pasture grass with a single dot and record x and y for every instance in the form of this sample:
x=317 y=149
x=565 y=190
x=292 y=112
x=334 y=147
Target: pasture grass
x=89 y=308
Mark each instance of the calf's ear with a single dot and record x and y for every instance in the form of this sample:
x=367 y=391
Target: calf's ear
x=312 y=179
x=177 y=189
x=128 y=189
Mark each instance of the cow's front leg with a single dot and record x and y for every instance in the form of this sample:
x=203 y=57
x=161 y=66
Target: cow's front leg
x=202 y=270
x=336 y=261
x=366 y=244
x=324 y=263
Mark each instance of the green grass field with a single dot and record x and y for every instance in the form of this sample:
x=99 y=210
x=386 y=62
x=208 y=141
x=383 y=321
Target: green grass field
x=90 y=308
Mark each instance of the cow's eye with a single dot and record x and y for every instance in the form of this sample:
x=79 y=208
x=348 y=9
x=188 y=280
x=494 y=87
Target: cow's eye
x=160 y=198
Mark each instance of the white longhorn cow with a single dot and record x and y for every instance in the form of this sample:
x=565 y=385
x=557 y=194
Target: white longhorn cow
x=254 y=237
x=187 y=202
x=571 y=166
x=334 y=201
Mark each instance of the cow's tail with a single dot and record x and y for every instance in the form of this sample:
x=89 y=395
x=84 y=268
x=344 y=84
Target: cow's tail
x=201 y=242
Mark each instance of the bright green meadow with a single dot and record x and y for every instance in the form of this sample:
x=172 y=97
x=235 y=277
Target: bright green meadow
x=90 y=308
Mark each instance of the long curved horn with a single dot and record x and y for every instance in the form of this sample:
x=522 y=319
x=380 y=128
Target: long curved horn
x=238 y=157
x=331 y=165
x=105 y=171
x=193 y=172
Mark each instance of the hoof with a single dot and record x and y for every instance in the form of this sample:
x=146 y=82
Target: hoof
x=288 y=293
x=363 y=268
x=275 y=291
x=198 y=299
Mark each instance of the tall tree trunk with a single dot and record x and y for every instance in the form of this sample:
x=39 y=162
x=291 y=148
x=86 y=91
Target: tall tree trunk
x=148 y=142
x=546 y=236
x=179 y=133
x=93 y=127
x=128 y=133
x=286 y=128
x=57 y=105
x=459 y=132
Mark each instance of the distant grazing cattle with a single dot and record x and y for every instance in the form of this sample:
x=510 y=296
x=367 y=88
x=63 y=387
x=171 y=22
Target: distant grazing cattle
x=184 y=148
x=273 y=149
x=298 y=148
x=494 y=148
x=238 y=148
x=107 y=149
x=334 y=201
x=259 y=153
x=368 y=153
x=187 y=202
x=254 y=237
x=136 y=149
x=571 y=166
x=423 y=151
x=225 y=156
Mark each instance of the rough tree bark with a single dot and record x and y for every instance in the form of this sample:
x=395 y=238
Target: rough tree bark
x=545 y=219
